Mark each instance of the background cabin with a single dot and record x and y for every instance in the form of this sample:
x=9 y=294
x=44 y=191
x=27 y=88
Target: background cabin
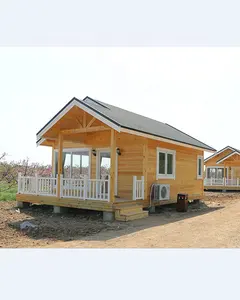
x=109 y=159
x=222 y=170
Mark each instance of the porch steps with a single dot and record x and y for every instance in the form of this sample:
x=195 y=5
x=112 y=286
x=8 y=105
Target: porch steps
x=130 y=212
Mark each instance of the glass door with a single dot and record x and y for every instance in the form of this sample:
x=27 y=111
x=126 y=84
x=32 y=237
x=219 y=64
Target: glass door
x=103 y=167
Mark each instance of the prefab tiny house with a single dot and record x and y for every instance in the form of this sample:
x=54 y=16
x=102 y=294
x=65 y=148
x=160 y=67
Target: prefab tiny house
x=106 y=158
x=222 y=170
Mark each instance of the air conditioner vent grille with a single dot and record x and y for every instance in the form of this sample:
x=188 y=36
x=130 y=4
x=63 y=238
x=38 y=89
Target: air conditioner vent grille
x=160 y=192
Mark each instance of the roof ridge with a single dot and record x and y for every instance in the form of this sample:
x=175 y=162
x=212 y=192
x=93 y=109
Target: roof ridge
x=96 y=101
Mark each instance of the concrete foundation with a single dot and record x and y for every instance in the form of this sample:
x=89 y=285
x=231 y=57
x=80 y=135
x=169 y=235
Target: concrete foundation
x=21 y=204
x=196 y=203
x=108 y=216
x=59 y=210
x=152 y=209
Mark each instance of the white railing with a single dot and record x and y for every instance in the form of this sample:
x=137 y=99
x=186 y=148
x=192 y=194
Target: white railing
x=37 y=185
x=86 y=189
x=221 y=181
x=138 y=188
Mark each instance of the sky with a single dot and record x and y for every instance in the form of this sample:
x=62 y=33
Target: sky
x=194 y=89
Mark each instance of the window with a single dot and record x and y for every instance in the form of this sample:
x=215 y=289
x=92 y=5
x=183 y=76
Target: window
x=166 y=163
x=75 y=164
x=200 y=167
x=216 y=172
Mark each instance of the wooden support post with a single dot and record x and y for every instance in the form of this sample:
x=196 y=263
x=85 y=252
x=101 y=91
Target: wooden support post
x=134 y=187
x=53 y=162
x=113 y=165
x=145 y=168
x=60 y=150
x=143 y=187
x=224 y=175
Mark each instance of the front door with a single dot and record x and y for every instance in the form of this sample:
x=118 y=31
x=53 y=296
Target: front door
x=103 y=166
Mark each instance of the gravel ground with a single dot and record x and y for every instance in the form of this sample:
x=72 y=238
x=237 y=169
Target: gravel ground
x=214 y=224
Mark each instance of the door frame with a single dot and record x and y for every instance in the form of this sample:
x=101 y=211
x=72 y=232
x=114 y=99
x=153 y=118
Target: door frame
x=100 y=150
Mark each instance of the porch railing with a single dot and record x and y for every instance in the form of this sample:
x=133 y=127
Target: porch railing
x=138 y=188
x=37 y=185
x=221 y=182
x=91 y=189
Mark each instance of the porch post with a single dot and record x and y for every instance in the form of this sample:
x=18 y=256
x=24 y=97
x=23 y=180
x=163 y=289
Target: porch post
x=224 y=176
x=59 y=171
x=113 y=165
x=145 y=169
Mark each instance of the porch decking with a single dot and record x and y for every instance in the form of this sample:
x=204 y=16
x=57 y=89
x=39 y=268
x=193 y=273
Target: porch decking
x=92 y=194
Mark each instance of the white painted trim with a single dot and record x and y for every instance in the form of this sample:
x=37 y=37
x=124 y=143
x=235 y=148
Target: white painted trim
x=83 y=107
x=166 y=176
x=149 y=136
x=201 y=158
x=218 y=152
x=41 y=141
x=226 y=157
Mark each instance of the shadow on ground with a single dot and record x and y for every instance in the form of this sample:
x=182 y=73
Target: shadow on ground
x=87 y=225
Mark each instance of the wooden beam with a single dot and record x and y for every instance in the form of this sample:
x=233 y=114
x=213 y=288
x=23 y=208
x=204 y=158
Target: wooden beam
x=59 y=171
x=53 y=162
x=79 y=123
x=82 y=130
x=145 y=168
x=91 y=122
x=84 y=119
x=113 y=165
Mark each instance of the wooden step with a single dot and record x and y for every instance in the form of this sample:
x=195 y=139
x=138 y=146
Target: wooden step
x=131 y=217
x=133 y=209
x=130 y=212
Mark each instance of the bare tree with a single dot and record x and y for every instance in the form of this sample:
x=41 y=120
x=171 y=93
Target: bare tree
x=9 y=171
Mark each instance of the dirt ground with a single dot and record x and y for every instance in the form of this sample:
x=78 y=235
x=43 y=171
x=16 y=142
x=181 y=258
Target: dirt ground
x=214 y=224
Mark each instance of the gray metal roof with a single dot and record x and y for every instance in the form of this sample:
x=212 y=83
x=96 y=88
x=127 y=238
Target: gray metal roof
x=142 y=124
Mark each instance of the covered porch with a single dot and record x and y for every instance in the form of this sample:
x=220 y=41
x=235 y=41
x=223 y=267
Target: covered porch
x=93 y=166
x=225 y=175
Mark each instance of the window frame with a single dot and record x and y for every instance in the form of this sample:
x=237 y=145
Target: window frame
x=71 y=151
x=200 y=157
x=166 y=152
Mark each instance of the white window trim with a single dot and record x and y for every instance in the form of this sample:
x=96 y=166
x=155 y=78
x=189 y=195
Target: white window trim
x=202 y=160
x=166 y=176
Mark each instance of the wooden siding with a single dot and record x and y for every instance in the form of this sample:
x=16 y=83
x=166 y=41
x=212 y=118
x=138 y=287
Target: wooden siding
x=138 y=156
x=130 y=162
x=232 y=161
x=213 y=161
x=186 y=170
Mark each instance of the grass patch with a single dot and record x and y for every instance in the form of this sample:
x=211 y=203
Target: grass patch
x=7 y=193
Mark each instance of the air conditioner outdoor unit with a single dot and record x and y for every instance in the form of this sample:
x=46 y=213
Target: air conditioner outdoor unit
x=161 y=192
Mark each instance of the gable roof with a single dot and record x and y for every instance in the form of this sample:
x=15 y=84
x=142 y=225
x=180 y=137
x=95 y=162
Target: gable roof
x=125 y=121
x=228 y=155
x=220 y=151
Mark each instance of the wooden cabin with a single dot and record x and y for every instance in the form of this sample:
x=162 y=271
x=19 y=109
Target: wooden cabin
x=109 y=159
x=222 y=170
